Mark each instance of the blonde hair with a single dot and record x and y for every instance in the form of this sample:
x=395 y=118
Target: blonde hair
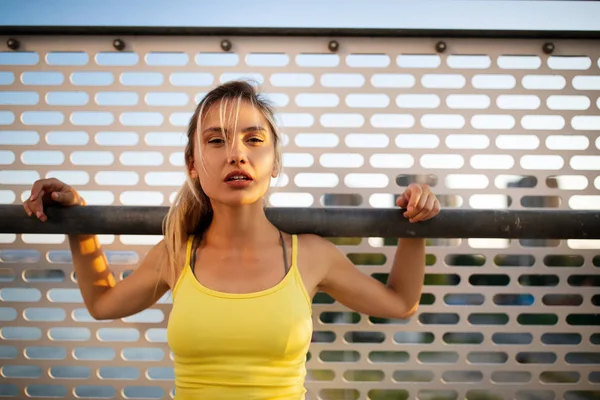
x=191 y=211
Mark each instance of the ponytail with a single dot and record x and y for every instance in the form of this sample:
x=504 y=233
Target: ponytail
x=190 y=209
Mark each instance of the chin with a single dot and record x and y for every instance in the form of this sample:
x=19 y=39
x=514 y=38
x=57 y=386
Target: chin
x=241 y=201
x=240 y=198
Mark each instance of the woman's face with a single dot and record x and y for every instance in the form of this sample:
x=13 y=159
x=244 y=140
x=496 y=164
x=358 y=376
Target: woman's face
x=234 y=154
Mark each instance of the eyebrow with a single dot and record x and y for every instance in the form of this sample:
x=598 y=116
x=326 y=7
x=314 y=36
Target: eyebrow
x=216 y=129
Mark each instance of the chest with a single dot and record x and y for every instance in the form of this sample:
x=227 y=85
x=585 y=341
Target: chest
x=271 y=325
x=241 y=271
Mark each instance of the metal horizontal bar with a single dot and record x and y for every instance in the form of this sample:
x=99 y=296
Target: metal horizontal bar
x=300 y=32
x=327 y=222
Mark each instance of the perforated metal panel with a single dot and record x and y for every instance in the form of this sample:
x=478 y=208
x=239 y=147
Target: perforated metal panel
x=489 y=124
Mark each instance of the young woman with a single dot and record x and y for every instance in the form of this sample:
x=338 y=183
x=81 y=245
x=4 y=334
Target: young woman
x=241 y=324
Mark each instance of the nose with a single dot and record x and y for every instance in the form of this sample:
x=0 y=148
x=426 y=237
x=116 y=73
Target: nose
x=237 y=154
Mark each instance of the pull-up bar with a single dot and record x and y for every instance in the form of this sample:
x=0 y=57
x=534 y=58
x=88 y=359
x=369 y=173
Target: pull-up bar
x=327 y=222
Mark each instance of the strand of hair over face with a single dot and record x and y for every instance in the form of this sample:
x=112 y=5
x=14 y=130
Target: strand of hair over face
x=191 y=207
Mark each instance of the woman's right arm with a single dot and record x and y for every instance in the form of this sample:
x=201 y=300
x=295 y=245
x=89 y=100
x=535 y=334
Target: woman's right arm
x=104 y=297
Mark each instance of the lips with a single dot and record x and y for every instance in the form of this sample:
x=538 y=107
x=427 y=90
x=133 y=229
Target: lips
x=238 y=175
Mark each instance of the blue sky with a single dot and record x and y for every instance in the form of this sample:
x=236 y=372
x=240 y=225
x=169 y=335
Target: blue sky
x=387 y=14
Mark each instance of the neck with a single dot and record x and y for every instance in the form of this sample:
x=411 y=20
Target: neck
x=238 y=226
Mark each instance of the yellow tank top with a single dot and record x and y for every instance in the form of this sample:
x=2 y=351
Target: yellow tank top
x=240 y=346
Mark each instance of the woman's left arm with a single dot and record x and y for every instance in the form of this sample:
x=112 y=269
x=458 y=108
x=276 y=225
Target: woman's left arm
x=400 y=297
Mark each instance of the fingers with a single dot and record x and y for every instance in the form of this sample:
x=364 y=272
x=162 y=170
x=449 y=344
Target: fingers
x=34 y=209
x=27 y=209
x=418 y=208
x=421 y=204
x=47 y=186
x=35 y=203
x=42 y=190
x=402 y=201
x=426 y=210
x=415 y=192
x=37 y=188
x=36 y=206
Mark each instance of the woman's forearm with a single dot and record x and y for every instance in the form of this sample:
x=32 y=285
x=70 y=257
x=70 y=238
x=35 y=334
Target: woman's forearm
x=408 y=271
x=94 y=277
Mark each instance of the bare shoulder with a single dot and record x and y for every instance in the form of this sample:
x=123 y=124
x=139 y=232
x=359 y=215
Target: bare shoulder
x=314 y=243
x=157 y=260
x=155 y=257
x=315 y=256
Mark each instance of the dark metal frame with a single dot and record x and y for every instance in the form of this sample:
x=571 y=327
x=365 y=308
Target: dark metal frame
x=328 y=222
x=321 y=32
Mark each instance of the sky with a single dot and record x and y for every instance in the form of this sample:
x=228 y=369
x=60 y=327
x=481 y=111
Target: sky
x=383 y=14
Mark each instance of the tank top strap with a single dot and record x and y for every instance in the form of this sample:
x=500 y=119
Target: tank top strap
x=294 y=251
x=296 y=272
x=185 y=267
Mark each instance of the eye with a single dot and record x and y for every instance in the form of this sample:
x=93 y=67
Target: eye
x=216 y=141
x=256 y=140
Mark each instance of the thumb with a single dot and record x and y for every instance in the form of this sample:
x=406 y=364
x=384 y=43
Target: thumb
x=64 y=198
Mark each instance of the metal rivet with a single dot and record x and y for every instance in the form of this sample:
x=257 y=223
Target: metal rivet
x=118 y=44
x=333 y=46
x=548 y=48
x=13 y=44
x=226 y=45
x=440 y=47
